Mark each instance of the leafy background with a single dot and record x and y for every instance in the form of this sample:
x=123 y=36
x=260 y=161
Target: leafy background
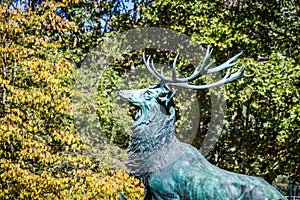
x=43 y=43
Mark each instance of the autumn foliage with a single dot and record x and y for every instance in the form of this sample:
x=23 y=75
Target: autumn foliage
x=41 y=155
x=44 y=42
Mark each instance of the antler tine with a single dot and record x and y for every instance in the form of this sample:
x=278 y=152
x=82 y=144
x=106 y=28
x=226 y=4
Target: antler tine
x=226 y=79
x=239 y=74
x=147 y=64
x=225 y=65
x=200 y=69
x=174 y=68
x=162 y=77
x=204 y=66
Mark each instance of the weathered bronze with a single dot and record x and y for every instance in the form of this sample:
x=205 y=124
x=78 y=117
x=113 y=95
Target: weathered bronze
x=171 y=169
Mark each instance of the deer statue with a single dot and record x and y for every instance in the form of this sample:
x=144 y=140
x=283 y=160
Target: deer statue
x=171 y=169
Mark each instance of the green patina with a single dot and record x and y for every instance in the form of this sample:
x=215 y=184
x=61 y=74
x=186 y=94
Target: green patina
x=171 y=169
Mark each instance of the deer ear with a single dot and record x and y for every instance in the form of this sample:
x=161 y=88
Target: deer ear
x=171 y=95
x=165 y=99
x=169 y=102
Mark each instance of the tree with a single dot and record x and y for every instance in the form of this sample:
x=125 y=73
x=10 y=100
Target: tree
x=260 y=135
x=41 y=154
x=267 y=33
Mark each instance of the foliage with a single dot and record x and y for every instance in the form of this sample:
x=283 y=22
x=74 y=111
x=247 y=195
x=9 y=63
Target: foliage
x=262 y=125
x=267 y=33
x=116 y=115
x=256 y=27
x=41 y=156
x=84 y=184
x=259 y=29
x=114 y=120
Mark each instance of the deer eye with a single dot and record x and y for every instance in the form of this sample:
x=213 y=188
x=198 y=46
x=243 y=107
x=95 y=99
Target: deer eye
x=162 y=95
x=148 y=92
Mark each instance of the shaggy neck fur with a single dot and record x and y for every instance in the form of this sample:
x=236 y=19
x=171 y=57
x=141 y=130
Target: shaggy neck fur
x=153 y=144
x=152 y=130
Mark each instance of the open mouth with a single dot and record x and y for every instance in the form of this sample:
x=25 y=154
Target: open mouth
x=135 y=111
x=134 y=108
x=138 y=115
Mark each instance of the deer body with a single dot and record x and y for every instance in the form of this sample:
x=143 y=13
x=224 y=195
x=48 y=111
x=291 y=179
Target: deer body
x=171 y=169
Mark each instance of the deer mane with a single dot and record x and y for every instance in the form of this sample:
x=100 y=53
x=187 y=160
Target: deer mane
x=153 y=143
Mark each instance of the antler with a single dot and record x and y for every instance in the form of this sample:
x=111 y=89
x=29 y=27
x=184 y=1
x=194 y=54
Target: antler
x=200 y=70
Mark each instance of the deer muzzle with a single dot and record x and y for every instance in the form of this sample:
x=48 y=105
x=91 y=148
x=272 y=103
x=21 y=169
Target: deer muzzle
x=133 y=96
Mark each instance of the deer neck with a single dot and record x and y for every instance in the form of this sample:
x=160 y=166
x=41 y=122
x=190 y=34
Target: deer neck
x=152 y=130
x=153 y=144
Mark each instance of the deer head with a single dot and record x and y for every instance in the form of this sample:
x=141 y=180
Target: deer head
x=154 y=127
x=154 y=98
x=159 y=97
